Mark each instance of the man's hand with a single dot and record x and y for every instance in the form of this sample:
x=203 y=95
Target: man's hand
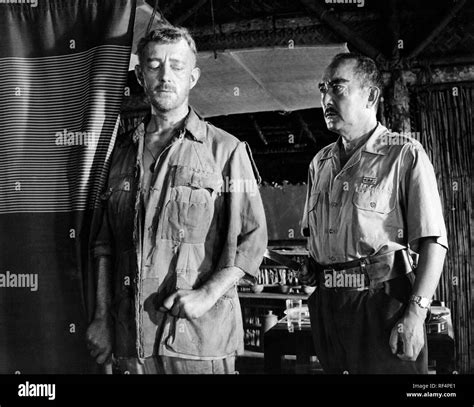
x=306 y=276
x=99 y=339
x=409 y=332
x=188 y=304
x=193 y=304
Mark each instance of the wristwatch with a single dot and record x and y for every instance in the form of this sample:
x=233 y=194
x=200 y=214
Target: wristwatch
x=422 y=302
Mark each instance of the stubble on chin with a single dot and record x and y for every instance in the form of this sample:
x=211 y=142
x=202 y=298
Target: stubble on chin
x=161 y=105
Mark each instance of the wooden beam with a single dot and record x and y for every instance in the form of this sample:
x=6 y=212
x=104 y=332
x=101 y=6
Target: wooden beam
x=437 y=30
x=258 y=130
x=268 y=23
x=448 y=60
x=327 y=16
x=305 y=128
x=235 y=10
x=181 y=19
x=394 y=30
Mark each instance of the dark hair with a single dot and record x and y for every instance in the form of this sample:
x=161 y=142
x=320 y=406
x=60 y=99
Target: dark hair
x=165 y=35
x=365 y=68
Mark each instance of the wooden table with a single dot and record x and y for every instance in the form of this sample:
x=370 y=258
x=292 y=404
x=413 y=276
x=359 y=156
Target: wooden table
x=279 y=341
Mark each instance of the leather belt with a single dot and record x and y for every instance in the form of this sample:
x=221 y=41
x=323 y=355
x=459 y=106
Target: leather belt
x=364 y=273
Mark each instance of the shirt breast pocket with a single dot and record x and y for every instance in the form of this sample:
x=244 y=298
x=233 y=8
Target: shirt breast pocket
x=190 y=208
x=379 y=201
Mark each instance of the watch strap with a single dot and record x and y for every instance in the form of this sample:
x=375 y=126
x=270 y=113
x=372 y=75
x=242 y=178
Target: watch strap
x=422 y=302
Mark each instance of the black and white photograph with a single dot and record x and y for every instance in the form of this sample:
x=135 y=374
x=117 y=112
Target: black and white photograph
x=236 y=197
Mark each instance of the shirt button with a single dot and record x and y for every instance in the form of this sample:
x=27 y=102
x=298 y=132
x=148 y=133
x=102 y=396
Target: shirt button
x=334 y=204
x=332 y=231
x=332 y=258
x=372 y=204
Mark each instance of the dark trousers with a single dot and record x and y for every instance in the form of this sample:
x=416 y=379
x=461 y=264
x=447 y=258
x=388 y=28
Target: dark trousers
x=351 y=329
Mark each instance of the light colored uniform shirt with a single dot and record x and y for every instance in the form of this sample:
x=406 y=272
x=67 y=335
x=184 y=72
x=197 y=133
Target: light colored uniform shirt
x=384 y=199
x=203 y=213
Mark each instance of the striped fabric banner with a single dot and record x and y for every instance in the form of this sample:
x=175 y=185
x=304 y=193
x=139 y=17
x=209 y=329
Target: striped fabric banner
x=57 y=118
x=63 y=69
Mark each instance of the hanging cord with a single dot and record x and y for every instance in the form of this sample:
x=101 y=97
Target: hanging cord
x=156 y=9
x=152 y=18
x=214 y=30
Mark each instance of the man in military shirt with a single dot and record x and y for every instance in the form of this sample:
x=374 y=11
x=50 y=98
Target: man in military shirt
x=372 y=201
x=172 y=240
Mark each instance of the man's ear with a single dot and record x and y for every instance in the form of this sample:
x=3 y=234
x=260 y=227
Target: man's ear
x=374 y=94
x=195 y=74
x=139 y=75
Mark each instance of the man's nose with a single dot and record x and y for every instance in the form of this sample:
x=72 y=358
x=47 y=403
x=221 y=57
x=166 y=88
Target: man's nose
x=165 y=71
x=326 y=98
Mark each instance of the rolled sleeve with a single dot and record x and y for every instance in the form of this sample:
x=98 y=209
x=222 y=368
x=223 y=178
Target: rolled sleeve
x=246 y=238
x=101 y=244
x=424 y=211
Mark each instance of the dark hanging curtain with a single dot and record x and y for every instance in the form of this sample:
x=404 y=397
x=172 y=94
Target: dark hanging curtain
x=63 y=67
x=443 y=115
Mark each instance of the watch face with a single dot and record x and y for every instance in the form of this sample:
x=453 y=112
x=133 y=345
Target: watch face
x=424 y=302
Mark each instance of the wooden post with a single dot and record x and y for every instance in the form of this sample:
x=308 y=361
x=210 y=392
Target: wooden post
x=397 y=103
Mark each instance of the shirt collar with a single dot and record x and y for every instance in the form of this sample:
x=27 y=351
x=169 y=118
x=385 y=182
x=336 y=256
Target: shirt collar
x=140 y=129
x=377 y=144
x=194 y=126
x=374 y=144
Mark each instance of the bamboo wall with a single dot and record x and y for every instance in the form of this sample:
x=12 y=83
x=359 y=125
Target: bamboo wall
x=443 y=116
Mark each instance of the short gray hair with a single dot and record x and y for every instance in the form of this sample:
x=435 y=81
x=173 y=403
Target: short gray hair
x=366 y=69
x=165 y=35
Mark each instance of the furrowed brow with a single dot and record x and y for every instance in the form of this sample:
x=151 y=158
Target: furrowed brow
x=337 y=81
x=173 y=60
